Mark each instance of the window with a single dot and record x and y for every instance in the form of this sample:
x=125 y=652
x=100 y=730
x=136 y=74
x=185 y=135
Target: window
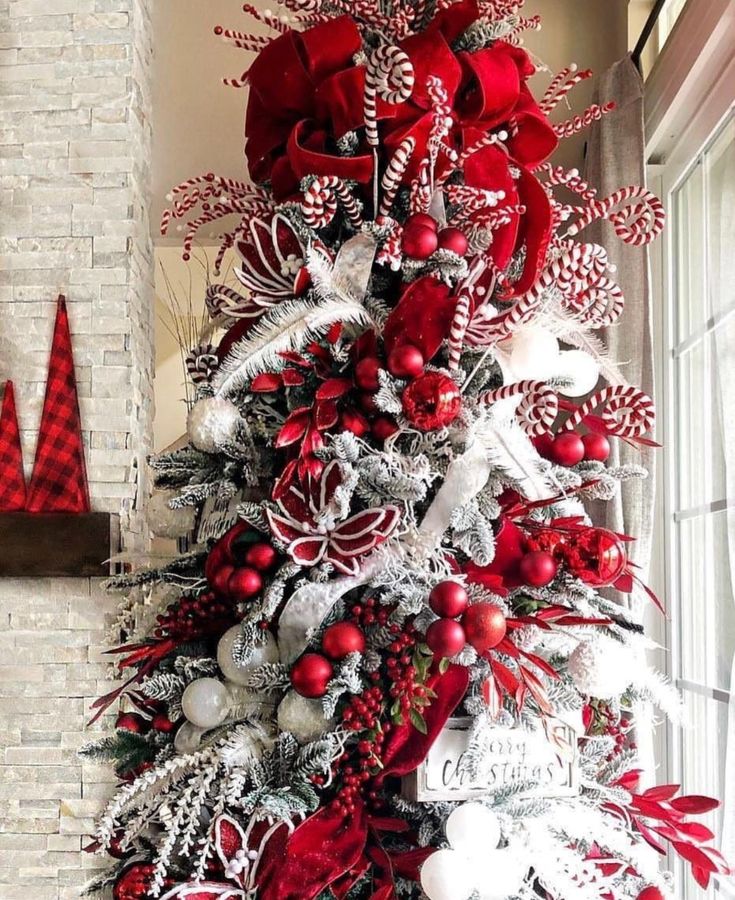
x=699 y=462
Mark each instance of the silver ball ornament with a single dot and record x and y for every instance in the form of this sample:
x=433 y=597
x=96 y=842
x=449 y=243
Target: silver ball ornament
x=165 y=522
x=188 y=738
x=267 y=652
x=303 y=718
x=206 y=702
x=213 y=422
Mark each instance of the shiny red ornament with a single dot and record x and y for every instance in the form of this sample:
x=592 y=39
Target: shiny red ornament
x=567 y=449
x=651 y=893
x=432 y=401
x=448 y=599
x=132 y=722
x=420 y=220
x=220 y=579
x=596 y=447
x=538 y=568
x=485 y=626
x=261 y=556
x=244 y=584
x=354 y=421
x=596 y=556
x=419 y=242
x=310 y=675
x=383 y=428
x=445 y=638
x=455 y=240
x=406 y=361
x=341 y=639
x=366 y=374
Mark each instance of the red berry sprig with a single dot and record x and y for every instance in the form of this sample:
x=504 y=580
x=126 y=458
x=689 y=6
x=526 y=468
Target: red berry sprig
x=192 y=618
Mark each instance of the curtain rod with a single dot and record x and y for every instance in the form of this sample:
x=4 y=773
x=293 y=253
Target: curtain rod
x=651 y=21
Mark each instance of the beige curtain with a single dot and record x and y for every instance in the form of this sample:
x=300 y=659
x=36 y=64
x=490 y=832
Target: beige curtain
x=615 y=159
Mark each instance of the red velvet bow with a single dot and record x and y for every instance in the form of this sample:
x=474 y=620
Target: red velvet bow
x=332 y=848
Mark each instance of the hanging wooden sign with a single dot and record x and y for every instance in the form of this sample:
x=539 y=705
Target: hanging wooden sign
x=218 y=516
x=547 y=758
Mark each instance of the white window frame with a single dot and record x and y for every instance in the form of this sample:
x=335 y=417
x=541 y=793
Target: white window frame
x=689 y=95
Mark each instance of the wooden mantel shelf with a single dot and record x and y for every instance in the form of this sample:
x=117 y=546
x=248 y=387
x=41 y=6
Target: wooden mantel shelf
x=57 y=545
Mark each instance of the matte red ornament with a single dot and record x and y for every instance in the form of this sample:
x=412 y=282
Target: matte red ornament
x=132 y=722
x=432 y=401
x=219 y=582
x=383 y=428
x=419 y=242
x=448 y=599
x=366 y=374
x=310 y=675
x=445 y=637
x=455 y=240
x=59 y=480
x=406 y=362
x=354 y=421
x=245 y=583
x=420 y=220
x=567 y=449
x=261 y=556
x=484 y=625
x=597 y=448
x=650 y=893
x=368 y=404
x=538 y=568
x=161 y=722
x=343 y=638
x=12 y=480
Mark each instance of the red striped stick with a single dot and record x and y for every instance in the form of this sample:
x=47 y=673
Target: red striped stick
x=626 y=411
x=640 y=221
x=538 y=408
x=322 y=198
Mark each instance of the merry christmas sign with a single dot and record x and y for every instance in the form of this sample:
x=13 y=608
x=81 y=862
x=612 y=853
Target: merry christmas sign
x=515 y=756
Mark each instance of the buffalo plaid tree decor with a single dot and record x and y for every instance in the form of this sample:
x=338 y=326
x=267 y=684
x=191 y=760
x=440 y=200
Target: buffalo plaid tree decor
x=59 y=480
x=12 y=480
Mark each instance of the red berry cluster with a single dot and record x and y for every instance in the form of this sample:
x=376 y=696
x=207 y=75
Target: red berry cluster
x=421 y=238
x=236 y=564
x=600 y=719
x=191 y=618
x=370 y=613
x=362 y=714
x=366 y=378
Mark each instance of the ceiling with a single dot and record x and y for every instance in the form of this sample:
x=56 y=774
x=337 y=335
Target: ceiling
x=198 y=122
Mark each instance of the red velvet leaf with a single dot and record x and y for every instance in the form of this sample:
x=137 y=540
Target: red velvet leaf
x=294 y=427
x=326 y=414
x=265 y=383
x=333 y=388
x=661 y=792
x=292 y=378
x=694 y=805
x=423 y=318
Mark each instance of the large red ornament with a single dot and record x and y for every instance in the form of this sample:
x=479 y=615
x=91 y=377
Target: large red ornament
x=132 y=722
x=596 y=447
x=484 y=625
x=432 y=401
x=261 y=556
x=595 y=556
x=448 y=599
x=406 y=361
x=366 y=374
x=219 y=581
x=341 y=639
x=455 y=240
x=419 y=242
x=244 y=584
x=538 y=568
x=420 y=220
x=650 y=893
x=310 y=675
x=445 y=638
x=567 y=449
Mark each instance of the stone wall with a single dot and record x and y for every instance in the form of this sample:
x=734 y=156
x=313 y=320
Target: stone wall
x=75 y=148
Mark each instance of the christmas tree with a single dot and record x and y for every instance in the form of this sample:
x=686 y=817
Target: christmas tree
x=391 y=664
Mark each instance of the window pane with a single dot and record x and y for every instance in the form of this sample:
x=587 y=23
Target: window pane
x=693 y=426
x=720 y=175
x=689 y=237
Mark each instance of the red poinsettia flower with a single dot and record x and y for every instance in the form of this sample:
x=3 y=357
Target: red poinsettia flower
x=314 y=525
x=273 y=261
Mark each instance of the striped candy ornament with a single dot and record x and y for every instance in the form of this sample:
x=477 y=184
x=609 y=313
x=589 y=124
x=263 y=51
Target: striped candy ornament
x=458 y=330
x=394 y=174
x=578 y=123
x=322 y=198
x=626 y=411
x=562 y=84
x=389 y=75
x=537 y=410
x=640 y=221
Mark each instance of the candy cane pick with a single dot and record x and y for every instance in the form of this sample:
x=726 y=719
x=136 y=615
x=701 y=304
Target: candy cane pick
x=321 y=199
x=459 y=327
x=626 y=412
x=538 y=408
x=640 y=221
x=394 y=173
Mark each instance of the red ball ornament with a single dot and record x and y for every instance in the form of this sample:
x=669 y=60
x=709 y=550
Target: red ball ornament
x=420 y=220
x=597 y=448
x=485 y=626
x=432 y=401
x=341 y=639
x=453 y=239
x=406 y=361
x=567 y=449
x=650 y=893
x=217 y=558
x=244 y=583
x=310 y=675
x=445 y=637
x=448 y=599
x=261 y=556
x=383 y=428
x=596 y=556
x=354 y=421
x=220 y=580
x=368 y=404
x=538 y=568
x=132 y=722
x=161 y=722
x=419 y=242
x=366 y=374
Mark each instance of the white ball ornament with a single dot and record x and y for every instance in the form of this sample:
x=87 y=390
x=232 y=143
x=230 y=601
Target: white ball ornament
x=188 y=738
x=601 y=669
x=212 y=423
x=499 y=874
x=165 y=522
x=206 y=702
x=534 y=353
x=581 y=370
x=267 y=652
x=473 y=828
x=303 y=718
x=446 y=876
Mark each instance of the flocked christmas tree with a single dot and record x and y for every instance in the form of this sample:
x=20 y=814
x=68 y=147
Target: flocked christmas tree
x=389 y=666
